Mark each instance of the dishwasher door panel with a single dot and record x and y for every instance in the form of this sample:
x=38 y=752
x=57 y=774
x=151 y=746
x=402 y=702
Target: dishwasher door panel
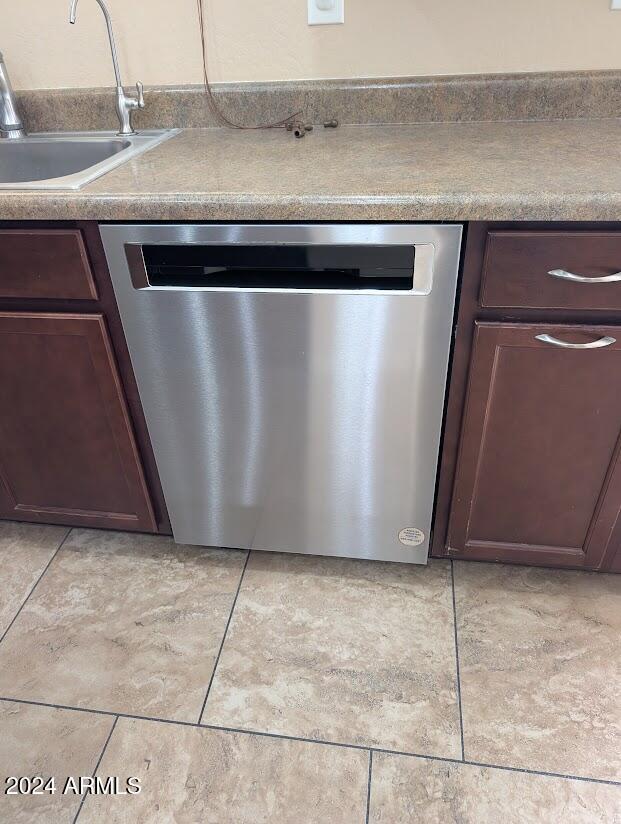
x=293 y=421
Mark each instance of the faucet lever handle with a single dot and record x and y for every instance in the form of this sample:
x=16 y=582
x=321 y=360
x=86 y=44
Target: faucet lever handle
x=140 y=90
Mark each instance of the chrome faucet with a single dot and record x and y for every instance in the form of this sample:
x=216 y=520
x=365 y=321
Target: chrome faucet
x=11 y=125
x=125 y=104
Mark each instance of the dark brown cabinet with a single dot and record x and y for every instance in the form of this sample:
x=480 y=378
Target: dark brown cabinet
x=538 y=475
x=552 y=270
x=45 y=263
x=67 y=451
x=74 y=447
x=530 y=470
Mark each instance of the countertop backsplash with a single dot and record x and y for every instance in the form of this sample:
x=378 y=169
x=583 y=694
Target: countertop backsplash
x=465 y=98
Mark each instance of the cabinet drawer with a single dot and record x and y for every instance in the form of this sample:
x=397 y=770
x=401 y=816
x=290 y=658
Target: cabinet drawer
x=517 y=266
x=39 y=263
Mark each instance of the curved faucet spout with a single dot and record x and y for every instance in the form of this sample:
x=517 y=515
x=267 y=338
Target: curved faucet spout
x=125 y=104
x=106 y=14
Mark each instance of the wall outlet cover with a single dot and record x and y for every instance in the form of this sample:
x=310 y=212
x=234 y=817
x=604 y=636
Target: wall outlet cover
x=325 y=12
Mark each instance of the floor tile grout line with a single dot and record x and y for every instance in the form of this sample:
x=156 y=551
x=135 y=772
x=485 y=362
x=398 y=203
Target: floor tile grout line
x=284 y=737
x=339 y=744
x=226 y=629
x=503 y=767
x=92 y=711
x=97 y=765
x=369 y=787
x=35 y=585
x=461 y=715
x=544 y=773
x=442 y=758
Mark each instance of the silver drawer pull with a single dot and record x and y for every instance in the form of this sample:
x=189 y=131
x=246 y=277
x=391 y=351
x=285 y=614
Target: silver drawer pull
x=561 y=273
x=596 y=344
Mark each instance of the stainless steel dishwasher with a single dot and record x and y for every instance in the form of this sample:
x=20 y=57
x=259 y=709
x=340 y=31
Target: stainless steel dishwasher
x=293 y=378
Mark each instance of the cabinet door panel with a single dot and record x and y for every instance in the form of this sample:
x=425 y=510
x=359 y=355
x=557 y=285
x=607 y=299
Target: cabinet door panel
x=67 y=450
x=538 y=476
x=45 y=263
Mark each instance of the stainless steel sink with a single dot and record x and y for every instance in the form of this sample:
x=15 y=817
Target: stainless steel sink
x=69 y=160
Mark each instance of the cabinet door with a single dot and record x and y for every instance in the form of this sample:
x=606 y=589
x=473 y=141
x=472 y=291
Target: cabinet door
x=538 y=476
x=45 y=264
x=67 y=451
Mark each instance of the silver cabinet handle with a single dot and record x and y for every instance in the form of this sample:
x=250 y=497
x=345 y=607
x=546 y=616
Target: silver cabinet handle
x=561 y=273
x=596 y=344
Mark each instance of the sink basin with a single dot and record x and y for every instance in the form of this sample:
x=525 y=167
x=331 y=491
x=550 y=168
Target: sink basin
x=69 y=160
x=23 y=162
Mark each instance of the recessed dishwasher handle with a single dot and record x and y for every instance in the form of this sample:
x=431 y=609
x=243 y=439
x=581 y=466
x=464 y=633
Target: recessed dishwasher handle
x=564 y=275
x=595 y=344
x=284 y=267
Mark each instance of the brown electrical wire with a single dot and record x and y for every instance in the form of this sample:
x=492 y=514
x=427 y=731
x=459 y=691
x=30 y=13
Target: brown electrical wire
x=280 y=124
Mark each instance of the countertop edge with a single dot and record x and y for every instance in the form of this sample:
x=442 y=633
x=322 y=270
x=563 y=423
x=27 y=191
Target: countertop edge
x=222 y=207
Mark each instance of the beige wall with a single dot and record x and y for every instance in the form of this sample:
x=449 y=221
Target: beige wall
x=269 y=39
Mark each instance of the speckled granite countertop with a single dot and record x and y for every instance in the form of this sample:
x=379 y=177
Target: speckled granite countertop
x=555 y=170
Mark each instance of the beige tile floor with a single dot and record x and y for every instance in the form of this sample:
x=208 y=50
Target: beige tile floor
x=279 y=688
x=341 y=650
